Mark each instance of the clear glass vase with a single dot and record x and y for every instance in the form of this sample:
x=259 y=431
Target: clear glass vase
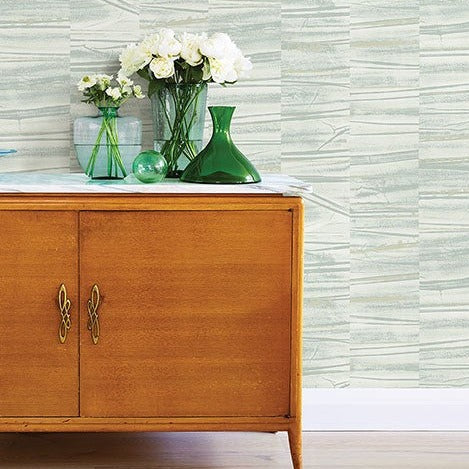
x=178 y=123
x=106 y=145
x=221 y=162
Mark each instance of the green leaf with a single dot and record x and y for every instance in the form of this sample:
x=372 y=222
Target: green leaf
x=154 y=86
x=196 y=75
x=144 y=73
x=206 y=70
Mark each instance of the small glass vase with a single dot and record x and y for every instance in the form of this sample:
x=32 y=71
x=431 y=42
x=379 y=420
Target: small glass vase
x=220 y=162
x=107 y=144
x=178 y=123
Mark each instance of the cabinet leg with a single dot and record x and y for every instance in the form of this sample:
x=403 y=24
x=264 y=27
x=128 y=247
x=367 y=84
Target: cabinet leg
x=295 y=440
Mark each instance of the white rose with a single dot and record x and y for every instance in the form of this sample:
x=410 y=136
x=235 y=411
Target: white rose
x=169 y=49
x=242 y=66
x=114 y=93
x=133 y=58
x=162 y=67
x=138 y=92
x=190 y=48
x=103 y=80
x=162 y=43
x=126 y=90
x=150 y=45
x=219 y=46
x=168 y=46
x=123 y=80
x=166 y=33
x=222 y=71
x=86 y=82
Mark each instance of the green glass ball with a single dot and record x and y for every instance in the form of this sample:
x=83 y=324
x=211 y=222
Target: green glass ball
x=150 y=166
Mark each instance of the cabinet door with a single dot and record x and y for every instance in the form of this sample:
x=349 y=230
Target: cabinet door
x=194 y=313
x=38 y=373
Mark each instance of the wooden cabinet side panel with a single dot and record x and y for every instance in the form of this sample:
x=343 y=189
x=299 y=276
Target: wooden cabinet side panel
x=38 y=374
x=195 y=313
x=297 y=311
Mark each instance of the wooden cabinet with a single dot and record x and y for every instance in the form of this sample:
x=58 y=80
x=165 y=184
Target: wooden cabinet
x=185 y=314
x=38 y=374
x=194 y=313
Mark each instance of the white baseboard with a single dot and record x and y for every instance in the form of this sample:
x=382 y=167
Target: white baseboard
x=386 y=409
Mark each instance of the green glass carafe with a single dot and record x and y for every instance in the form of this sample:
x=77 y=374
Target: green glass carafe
x=220 y=162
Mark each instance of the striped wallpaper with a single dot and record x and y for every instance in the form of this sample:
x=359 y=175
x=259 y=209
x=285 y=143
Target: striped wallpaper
x=366 y=99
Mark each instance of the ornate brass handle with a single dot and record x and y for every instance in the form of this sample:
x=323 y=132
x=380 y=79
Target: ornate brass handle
x=93 y=318
x=64 y=306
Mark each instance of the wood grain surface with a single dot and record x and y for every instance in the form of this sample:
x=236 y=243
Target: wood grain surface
x=195 y=313
x=38 y=374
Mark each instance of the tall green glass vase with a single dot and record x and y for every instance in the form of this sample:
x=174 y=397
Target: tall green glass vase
x=220 y=162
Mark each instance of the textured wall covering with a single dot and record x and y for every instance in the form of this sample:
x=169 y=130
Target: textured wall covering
x=366 y=99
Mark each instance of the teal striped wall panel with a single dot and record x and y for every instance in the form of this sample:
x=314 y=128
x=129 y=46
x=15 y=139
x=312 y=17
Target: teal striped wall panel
x=34 y=83
x=315 y=147
x=384 y=135
x=444 y=193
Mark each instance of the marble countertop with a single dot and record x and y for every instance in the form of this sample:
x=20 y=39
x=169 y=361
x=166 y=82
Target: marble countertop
x=25 y=182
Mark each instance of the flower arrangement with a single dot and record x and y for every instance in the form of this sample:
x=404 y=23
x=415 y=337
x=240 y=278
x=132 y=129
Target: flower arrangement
x=108 y=93
x=178 y=68
x=185 y=58
x=104 y=91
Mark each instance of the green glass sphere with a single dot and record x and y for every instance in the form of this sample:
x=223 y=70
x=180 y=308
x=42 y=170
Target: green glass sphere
x=150 y=166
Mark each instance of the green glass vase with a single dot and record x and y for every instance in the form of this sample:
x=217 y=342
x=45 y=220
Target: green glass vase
x=220 y=162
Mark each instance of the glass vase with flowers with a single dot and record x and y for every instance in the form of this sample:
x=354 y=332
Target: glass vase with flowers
x=107 y=143
x=178 y=68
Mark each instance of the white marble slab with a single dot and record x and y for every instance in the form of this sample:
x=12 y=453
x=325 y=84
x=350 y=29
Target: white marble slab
x=80 y=183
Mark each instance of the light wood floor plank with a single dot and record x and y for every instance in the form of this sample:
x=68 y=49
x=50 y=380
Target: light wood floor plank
x=338 y=450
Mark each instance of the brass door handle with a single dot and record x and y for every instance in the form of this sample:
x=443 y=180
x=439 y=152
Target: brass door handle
x=93 y=318
x=64 y=307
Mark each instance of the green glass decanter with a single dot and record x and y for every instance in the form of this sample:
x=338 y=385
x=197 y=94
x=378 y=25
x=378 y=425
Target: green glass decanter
x=220 y=162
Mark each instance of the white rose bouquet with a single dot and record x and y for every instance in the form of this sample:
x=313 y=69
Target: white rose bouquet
x=108 y=94
x=178 y=68
x=185 y=58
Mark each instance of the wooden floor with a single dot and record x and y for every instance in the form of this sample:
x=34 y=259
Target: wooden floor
x=233 y=450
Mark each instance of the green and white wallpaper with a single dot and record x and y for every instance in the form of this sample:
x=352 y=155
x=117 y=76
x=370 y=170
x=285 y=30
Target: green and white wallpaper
x=366 y=99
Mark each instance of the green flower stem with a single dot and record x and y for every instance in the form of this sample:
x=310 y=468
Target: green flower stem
x=124 y=172
x=188 y=144
x=90 y=166
x=109 y=155
x=180 y=143
x=114 y=158
x=114 y=143
x=168 y=120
